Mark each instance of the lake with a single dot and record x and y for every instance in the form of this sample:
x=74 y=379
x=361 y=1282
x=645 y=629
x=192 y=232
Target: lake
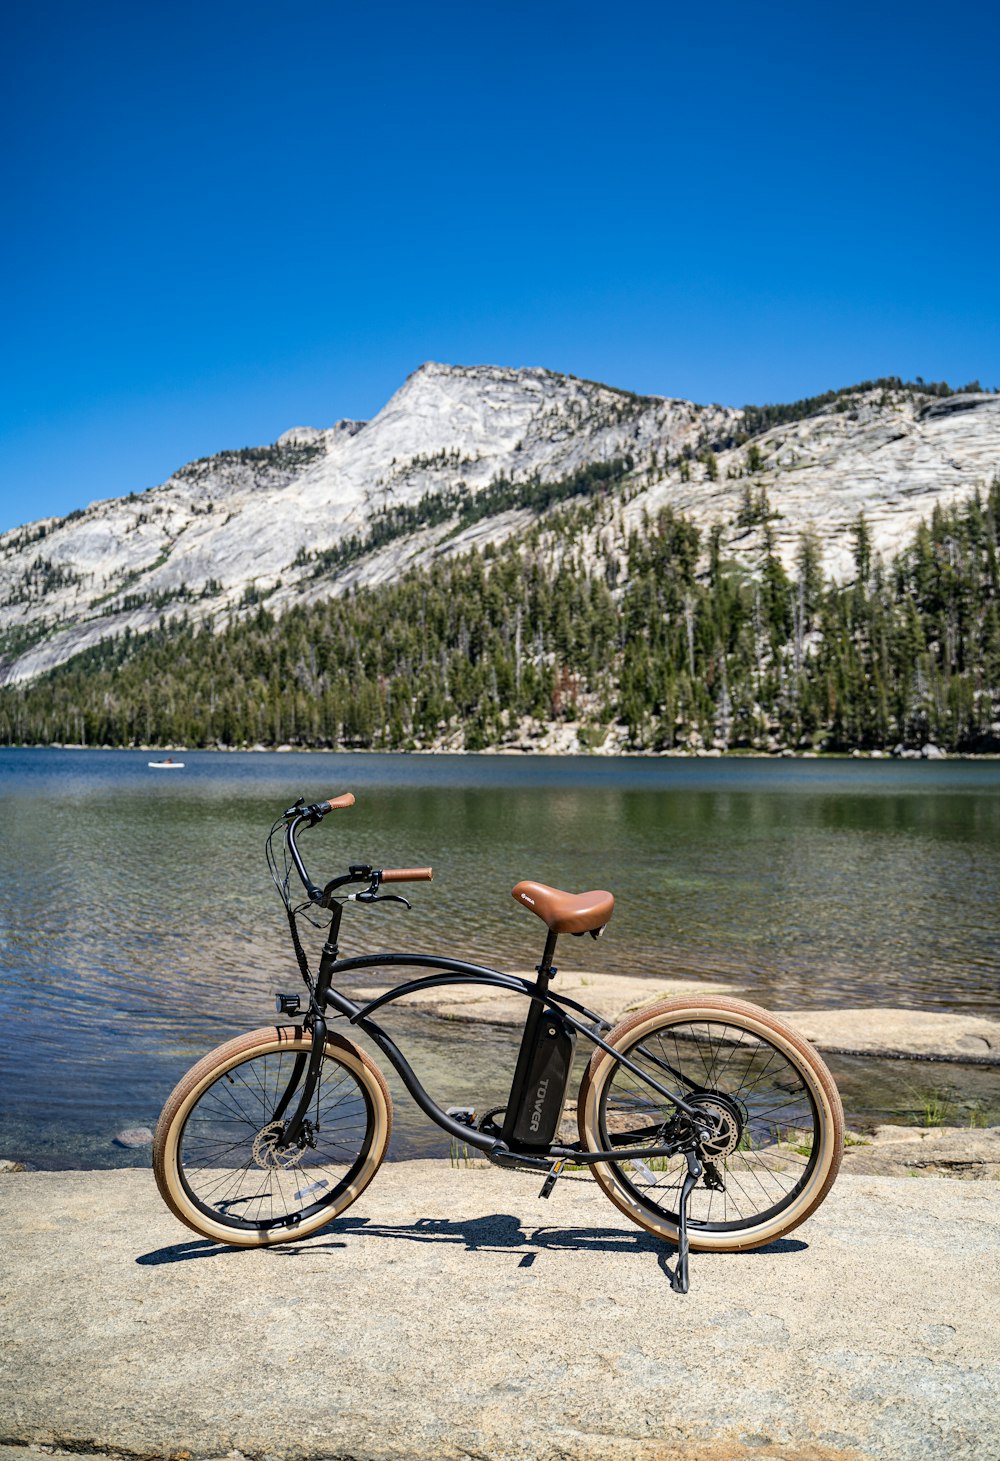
x=139 y=927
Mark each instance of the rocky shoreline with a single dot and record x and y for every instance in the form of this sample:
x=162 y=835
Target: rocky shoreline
x=965 y=1152
x=560 y=740
x=961 y=1152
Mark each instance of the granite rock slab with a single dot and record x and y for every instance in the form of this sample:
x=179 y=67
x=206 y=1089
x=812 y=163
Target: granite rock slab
x=453 y=1314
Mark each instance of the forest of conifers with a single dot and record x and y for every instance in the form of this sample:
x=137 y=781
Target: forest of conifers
x=653 y=635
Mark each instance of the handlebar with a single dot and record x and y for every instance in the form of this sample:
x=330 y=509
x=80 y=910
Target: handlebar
x=299 y=813
x=336 y=803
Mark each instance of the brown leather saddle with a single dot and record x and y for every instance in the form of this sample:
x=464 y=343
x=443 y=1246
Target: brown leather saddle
x=567 y=912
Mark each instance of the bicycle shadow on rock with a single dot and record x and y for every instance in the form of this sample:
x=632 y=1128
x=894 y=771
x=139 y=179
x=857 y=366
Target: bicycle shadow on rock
x=498 y=1233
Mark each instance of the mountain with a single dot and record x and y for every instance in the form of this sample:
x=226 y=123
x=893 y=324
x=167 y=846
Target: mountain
x=464 y=456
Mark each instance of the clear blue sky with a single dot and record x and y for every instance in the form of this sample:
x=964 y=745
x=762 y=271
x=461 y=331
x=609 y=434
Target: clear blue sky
x=223 y=219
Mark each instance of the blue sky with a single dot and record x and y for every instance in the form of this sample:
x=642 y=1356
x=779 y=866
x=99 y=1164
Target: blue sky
x=223 y=220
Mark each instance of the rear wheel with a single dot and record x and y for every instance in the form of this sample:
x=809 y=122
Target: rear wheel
x=777 y=1113
x=217 y=1153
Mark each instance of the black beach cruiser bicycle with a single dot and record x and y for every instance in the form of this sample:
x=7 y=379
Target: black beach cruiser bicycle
x=706 y=1120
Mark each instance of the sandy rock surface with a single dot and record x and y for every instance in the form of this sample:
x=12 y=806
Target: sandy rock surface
x=451 y=1313
x=609 y=995
x=924 y=1034
x=965 y=1038
x=966 y=1152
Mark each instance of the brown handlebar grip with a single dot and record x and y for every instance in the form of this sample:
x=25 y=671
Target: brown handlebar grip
x=407 y=874
x=338 y=803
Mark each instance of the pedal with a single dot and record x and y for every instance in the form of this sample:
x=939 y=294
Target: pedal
x=554 y=1173
x=465 y=1114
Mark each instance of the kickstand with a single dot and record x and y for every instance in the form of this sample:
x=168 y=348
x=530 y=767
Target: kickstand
x=679 y=1276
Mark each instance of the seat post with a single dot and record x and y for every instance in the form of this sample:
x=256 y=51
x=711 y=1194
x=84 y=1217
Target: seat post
x=545 y=970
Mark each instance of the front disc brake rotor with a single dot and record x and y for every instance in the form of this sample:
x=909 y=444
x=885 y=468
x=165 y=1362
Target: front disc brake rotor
x=268 y=1155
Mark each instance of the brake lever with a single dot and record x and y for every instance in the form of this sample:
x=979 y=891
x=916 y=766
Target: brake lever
x=370 y=896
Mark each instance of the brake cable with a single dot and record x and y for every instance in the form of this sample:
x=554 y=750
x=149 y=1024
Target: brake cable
x=300 y=953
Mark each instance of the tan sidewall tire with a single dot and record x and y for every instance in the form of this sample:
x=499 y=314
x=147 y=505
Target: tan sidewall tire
x=201 y=1076
x=757 y=1021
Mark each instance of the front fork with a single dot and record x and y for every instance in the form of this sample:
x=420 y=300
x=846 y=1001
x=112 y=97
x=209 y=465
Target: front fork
x=292 y=1135
x=316 y=1025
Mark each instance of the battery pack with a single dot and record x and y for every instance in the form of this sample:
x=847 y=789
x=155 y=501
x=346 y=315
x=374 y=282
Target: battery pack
x=543 y=1070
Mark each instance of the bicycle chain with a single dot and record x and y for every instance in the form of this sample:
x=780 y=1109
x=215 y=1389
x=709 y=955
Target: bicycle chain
x=712 y=1176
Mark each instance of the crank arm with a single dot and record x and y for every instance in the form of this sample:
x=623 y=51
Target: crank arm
x=519 y=1161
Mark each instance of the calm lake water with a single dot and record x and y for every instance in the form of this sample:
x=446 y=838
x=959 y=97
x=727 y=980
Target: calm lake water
x=138 y=925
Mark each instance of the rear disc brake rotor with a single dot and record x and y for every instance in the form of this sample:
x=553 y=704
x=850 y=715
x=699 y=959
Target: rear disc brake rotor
x=730 y=1117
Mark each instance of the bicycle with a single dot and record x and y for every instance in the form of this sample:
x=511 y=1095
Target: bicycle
x=706 y=1120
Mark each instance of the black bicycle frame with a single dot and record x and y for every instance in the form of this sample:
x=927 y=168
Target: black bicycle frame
x=541 y=1066
x=457 y=971
x=576 y=1016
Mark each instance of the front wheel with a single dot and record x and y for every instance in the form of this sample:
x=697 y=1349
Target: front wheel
x=217 y=1153
x=776 y=1111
